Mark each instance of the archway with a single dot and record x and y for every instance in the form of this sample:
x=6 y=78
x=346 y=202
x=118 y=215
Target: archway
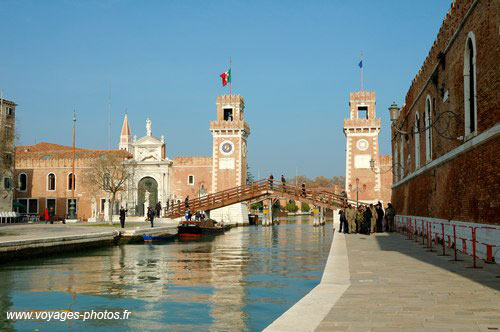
x=147 y=188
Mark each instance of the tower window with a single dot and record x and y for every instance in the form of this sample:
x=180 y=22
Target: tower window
x=228 y=114
x=470 y=85
x=362 y=112
x=23 y=182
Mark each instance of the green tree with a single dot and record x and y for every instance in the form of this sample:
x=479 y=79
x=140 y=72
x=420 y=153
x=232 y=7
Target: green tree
x=257 y=206
x=304 y=207
x=291 y=206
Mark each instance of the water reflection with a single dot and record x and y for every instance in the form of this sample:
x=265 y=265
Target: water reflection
x=240 y=281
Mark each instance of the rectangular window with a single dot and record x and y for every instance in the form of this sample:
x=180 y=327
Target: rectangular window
x=23 y=208
x=7 y=183
x=33 y=206
x=103 y=202
x=228 y=114
x=191 y=180
x=9 y=111
x=362 y=112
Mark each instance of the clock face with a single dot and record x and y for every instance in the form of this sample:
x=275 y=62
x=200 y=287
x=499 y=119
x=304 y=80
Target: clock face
x=226 y=147
x=362 y=144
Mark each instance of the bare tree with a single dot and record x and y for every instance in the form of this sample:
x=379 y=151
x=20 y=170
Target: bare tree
x=110 y=173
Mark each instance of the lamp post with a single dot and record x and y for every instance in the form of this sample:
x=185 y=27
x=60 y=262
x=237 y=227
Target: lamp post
x=72 y=207
x=357 y=190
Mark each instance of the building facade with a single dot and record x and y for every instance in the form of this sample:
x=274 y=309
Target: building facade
x=368 y=174
x=7 y=137
x=446 y=135
x=46 y=170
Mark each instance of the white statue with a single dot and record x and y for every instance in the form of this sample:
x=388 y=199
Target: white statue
x=148 y=127
x=94 y=207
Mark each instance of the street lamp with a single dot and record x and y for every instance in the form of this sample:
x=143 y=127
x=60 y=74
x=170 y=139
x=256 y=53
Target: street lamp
x=72 y=207
x=357 y=190
x=391 y=169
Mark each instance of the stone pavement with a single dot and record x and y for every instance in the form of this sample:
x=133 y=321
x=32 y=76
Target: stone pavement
x=396 y=285
x=16 y=232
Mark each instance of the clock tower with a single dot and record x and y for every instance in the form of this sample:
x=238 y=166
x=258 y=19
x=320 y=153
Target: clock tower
x=362 y=129
x=229 y=153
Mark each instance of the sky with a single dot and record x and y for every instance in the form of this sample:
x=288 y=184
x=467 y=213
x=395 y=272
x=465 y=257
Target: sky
x=294 y=62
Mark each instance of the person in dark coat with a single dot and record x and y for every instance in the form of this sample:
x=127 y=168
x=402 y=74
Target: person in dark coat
x=367 y=215
x=158 y=209
x=186 y=202
x=343 y=221
x=123 y=213
x=51 y=215
x=380 y=217
x=271 y=179
x=151 y=216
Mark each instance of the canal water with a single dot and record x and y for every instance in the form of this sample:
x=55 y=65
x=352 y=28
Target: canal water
x=240 y=281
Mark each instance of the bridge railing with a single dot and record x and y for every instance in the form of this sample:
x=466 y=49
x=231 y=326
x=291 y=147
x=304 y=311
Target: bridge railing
x=252 y=190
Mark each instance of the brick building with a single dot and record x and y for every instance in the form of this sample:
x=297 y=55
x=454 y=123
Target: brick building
x=7 y=136
x=368 y=174
x=446 y=135
x=45 y=170
x=43 y=177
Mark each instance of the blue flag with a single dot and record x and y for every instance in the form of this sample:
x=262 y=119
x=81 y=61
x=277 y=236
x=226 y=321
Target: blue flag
x=360 y=64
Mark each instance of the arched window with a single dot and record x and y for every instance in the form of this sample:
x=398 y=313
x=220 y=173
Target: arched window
x=395 y=166
x=470 y=102
x=71 y=180
x=402 y=156
x=51 y=182
x=416 y=132
x=428 y=129
x=23 y=182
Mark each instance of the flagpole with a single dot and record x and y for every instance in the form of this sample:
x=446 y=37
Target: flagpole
x=361 y=73
x=230 y=70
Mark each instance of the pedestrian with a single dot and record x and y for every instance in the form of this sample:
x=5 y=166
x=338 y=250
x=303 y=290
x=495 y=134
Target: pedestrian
x=168 y=204
x=304 y=189
x=271 y=180
x=283 y=183
x=186 y=202
x=367 y=216
x=351 y=218
x=380 y=217
x=46 y=215
x=343 y=220
x=151 y=216
x=359 y=219
x=158 y=209
x=389 y=216
x=186 y=214
x=373 y=221
x=123 y=212
x=51 y=215
x=197 y=216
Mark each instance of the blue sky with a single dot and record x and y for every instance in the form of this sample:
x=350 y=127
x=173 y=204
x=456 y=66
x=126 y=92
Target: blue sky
x=295 y=63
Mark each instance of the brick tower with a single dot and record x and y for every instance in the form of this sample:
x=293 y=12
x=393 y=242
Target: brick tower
x=229 y=154
x=361 y=131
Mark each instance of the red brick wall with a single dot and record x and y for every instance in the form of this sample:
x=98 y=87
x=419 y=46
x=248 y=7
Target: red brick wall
x=199 y=167
x=464 y=188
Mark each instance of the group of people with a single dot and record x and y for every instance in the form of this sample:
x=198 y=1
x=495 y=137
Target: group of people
x=367 y=219
x=49 y=215
x=188 y=214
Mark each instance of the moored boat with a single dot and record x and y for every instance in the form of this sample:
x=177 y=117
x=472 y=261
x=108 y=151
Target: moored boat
x=198 y=228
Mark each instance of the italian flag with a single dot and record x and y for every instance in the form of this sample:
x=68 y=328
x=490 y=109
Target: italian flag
x=226 y=77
